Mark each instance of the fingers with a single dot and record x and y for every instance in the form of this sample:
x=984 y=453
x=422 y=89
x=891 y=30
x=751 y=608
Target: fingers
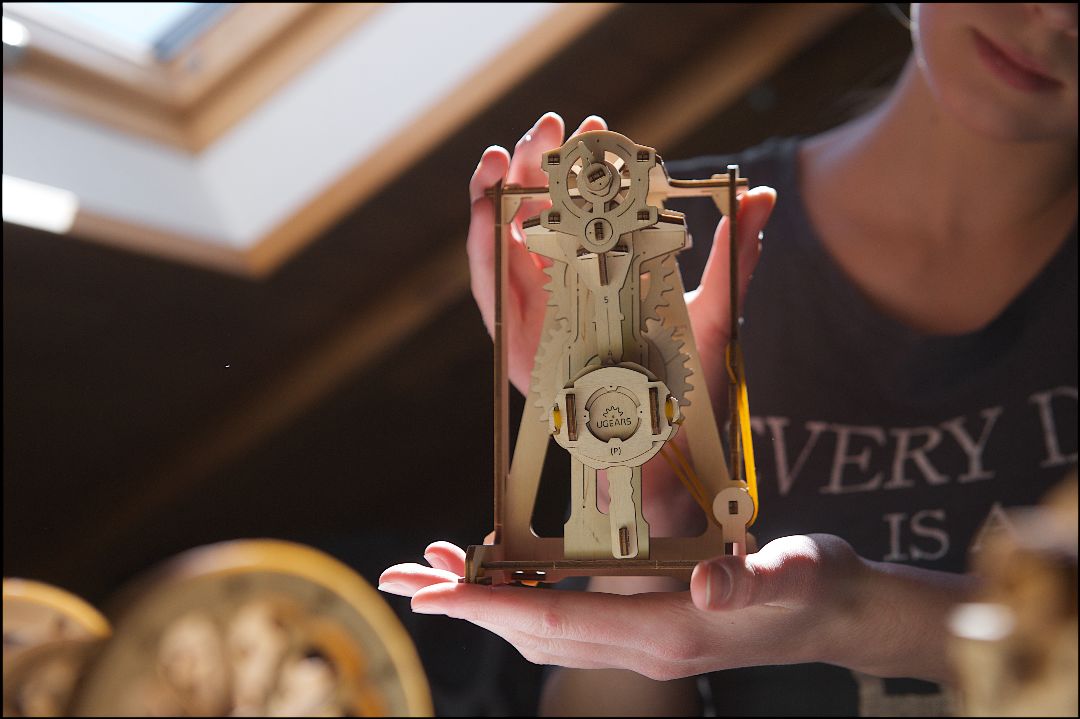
x=533 y=151
x=755 y=207
x=590 y=123
x=545 y=135
x=446 y=556
x=492 y=167
x=447 y=565
x=524 y=169
x=480 y=245
x=407 y=579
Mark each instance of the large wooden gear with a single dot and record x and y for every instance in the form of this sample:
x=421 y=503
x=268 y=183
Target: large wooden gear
x=256 y=628
x=616 y=375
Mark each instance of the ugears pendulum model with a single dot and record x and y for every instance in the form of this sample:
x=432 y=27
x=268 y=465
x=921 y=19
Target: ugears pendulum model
x=617 y=373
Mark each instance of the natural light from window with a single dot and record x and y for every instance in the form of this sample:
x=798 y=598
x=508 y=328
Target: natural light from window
x=137 y=23
x=140 y=30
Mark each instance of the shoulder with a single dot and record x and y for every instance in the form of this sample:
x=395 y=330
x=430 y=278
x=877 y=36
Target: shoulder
x=772 y=161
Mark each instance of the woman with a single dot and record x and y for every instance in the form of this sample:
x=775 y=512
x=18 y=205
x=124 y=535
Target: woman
x=911 y=338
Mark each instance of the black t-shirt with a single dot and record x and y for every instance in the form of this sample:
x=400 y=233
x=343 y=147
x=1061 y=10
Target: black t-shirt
x=903 y=444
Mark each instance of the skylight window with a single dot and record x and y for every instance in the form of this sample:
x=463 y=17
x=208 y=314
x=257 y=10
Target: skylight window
x=142 y=31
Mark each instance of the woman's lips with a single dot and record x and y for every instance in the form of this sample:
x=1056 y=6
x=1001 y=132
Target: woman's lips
x=1013 y=70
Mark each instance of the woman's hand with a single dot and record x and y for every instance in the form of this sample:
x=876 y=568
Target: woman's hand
x=526 y=297
x=799 y=599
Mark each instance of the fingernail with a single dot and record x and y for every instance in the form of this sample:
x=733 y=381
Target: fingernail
x=427 y=608
x=717 y=586
x=762 y=191
x=395 y=588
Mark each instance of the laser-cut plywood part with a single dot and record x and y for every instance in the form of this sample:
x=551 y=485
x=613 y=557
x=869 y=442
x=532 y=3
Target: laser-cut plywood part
x=617 y=373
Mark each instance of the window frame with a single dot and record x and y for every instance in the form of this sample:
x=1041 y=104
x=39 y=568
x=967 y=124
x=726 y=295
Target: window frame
x=195 y=95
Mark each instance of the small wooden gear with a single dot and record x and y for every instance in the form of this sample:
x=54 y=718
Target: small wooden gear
x=255 y=628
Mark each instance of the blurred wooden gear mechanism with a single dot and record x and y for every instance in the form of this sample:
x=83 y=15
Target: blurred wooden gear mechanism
x=1015 y=650
x=616 y=375
x=245 y=628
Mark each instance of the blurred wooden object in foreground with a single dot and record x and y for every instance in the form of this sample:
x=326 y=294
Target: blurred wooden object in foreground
x=243 y=628
x=1016 y=650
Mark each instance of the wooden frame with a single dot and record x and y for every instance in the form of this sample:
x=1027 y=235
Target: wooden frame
x=616 y=332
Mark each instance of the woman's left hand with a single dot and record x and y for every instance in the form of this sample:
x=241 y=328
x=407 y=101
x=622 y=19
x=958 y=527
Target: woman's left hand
x=799 y=599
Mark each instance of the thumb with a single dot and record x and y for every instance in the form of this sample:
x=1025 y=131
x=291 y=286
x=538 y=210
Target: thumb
x=755 y=207
x=786 y=572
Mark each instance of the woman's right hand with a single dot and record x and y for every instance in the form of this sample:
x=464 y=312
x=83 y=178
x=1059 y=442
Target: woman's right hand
x=526 y=299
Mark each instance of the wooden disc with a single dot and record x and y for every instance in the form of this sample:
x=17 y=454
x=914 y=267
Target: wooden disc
x=255 y=628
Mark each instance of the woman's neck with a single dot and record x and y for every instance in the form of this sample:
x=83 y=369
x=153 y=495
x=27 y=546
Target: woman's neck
x=936 y=181
x=939 y=226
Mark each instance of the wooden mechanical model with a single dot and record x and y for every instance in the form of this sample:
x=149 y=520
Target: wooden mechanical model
x=617 y=373
x=241 y=628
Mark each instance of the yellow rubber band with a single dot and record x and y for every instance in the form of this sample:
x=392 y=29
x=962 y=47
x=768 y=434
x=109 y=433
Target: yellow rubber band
x=737 y=373
x=703 y=497
x=690 y=487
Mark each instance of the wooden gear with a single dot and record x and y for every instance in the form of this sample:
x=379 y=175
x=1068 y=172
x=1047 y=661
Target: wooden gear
x=616 y=374
x=242 y=628
x=255 y=628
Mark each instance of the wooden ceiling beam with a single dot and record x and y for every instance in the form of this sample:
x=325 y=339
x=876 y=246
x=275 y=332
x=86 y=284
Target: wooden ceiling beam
x=749 y=53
